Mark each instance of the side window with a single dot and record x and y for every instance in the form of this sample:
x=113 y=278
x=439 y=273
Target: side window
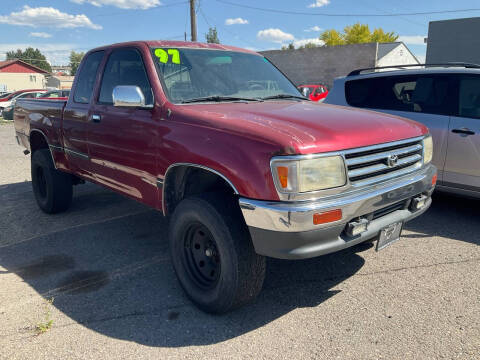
x=469 y=97
x=124 y=67
x=430 y=95
x=86 y=78
x=425 y=94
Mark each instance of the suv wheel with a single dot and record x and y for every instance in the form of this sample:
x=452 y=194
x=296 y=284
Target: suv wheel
x=52 y=188
x=213 y=255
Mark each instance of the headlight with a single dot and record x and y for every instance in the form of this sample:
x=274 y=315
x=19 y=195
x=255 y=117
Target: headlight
x=304 y=175
x=427 y=149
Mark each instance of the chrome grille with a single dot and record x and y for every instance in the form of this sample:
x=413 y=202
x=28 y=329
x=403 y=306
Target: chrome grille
x=383 y=162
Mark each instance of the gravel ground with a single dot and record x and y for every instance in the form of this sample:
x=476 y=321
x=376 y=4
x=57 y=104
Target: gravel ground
x=105 y=265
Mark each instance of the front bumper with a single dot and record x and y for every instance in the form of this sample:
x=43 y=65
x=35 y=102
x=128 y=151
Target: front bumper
x=285 y=230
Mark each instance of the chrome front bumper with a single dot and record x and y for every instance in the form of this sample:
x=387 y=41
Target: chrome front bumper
x=286 y=230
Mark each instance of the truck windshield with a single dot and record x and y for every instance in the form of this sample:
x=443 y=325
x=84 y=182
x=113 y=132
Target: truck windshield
x=197 y=75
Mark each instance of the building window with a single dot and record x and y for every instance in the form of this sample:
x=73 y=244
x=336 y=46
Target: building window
x=33 y=78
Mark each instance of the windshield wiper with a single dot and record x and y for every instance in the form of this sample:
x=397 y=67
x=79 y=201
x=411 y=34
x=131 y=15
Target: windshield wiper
x=284 y=96
x=218 y=98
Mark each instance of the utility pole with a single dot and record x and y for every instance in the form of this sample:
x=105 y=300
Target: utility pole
x=193 y=20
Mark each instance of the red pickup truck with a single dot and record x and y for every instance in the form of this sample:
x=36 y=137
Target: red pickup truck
x=218 y=140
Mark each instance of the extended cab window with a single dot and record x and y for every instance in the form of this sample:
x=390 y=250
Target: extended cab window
x=86 y=78
x=469 y=97
x=425 y=94
x=124 y=67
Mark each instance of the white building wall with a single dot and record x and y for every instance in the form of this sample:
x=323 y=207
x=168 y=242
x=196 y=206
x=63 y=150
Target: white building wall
x=20 y=81
x=398 y=56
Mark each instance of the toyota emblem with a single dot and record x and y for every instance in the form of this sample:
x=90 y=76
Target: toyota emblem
x=392 y=160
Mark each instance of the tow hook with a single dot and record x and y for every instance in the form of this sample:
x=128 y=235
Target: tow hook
x=355 y=228
x=418 y=202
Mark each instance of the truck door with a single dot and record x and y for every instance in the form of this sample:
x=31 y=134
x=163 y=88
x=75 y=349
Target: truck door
x=123 y=141
x=462 y=166
x=77 y=113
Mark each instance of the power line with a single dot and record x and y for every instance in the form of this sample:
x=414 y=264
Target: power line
x=345 y=15
x=400 y=17
x=225 y=29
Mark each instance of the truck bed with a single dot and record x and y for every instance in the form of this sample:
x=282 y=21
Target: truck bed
x=42 y=115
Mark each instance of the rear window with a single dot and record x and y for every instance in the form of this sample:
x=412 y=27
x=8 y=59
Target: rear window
x=424 y=94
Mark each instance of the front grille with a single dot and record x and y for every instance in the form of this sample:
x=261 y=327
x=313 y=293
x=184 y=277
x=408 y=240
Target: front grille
x=382 y=162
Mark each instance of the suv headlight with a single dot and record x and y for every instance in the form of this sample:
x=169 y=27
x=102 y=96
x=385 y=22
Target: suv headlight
x=427 y=149
x=304 y=175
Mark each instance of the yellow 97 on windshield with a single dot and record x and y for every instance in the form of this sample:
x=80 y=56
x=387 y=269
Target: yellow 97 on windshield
x=169 y=54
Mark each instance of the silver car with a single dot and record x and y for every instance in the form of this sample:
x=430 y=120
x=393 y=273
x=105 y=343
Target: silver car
x=446 y=99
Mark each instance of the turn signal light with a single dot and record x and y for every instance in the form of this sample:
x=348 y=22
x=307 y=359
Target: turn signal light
x=434 y=179
x=327 y=217
x=283 y=176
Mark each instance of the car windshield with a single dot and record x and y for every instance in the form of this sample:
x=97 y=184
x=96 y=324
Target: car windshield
x=196 y=75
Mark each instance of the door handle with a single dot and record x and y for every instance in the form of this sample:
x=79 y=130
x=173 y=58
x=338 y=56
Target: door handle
x=96 y=118
x=463 y=131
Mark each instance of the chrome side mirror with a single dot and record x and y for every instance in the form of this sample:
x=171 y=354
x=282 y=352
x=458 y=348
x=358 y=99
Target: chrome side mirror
x=128 y=96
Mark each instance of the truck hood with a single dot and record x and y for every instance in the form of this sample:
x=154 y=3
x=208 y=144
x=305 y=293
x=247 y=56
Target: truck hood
x=303 y=127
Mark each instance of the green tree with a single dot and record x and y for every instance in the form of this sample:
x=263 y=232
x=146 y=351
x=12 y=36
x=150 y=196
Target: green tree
x=380 y=36
x=288 y=47
x=75 y=59
x=31 y=56
x=357 y=34
x=332 y=38
x=212 y=36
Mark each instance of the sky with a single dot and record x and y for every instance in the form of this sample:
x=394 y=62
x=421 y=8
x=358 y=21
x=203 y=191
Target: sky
x=57 y=27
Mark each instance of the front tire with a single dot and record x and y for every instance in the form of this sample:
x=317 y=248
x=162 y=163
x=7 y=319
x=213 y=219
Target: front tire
x=213 y=255
x=53 y=189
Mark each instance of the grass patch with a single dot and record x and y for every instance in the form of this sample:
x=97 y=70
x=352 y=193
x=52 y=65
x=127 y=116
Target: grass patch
x=5 y=122
x=47 y=322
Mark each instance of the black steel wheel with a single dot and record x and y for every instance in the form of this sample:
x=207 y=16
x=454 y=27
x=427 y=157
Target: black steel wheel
x=53 y=189
x=213 y=255
x=201 y=256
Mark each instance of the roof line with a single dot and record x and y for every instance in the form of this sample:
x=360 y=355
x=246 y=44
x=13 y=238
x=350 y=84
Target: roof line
x=12 y=61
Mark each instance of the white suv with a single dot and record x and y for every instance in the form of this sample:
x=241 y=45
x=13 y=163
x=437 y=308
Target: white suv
x=444 y=98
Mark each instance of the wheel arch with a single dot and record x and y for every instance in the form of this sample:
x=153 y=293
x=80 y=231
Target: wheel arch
x=185 y=179
x=38 y=140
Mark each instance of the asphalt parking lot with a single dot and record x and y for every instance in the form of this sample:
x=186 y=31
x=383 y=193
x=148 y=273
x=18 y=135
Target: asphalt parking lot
x=105 y=264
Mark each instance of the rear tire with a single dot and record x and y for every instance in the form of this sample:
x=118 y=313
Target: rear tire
x=53 y=189
x=213 y=255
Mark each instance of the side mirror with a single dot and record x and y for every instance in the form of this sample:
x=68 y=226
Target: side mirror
x=128 y=96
